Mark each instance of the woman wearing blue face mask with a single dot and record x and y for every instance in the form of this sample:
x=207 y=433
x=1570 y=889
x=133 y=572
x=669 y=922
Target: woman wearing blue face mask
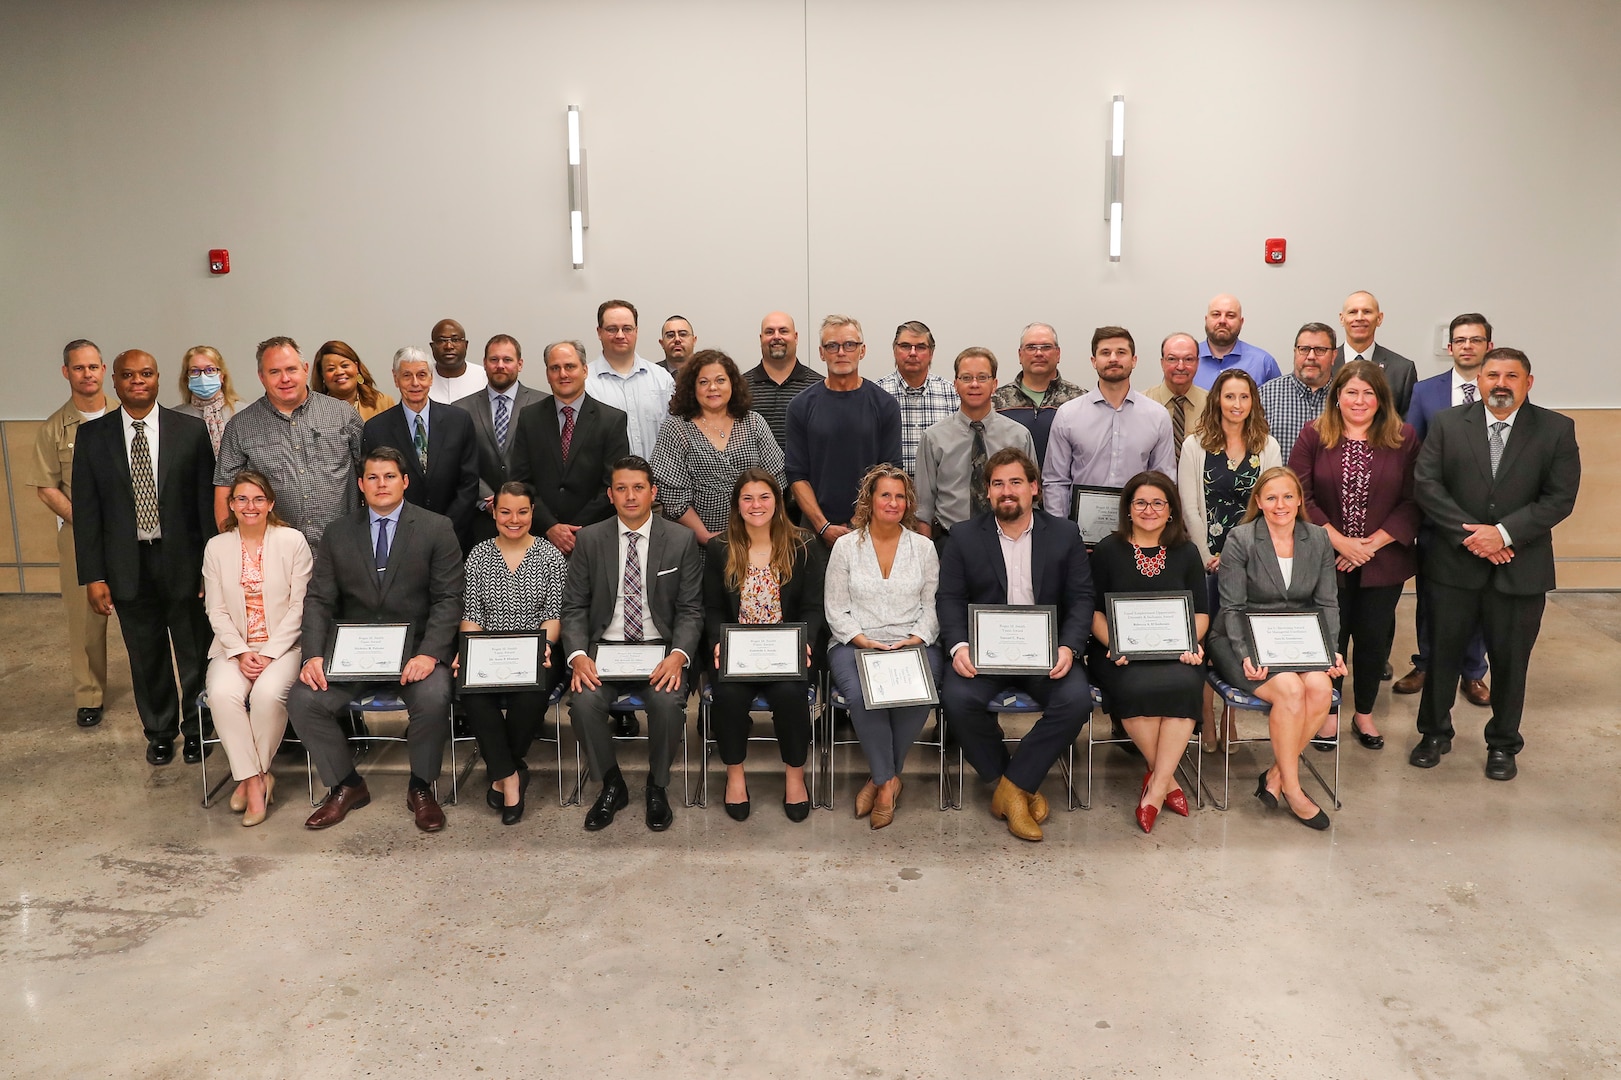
x=205 y=390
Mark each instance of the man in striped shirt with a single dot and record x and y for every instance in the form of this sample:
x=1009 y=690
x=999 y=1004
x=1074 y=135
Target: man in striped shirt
x=924 y=397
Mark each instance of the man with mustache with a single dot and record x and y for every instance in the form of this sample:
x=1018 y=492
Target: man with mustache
x=1295 y=400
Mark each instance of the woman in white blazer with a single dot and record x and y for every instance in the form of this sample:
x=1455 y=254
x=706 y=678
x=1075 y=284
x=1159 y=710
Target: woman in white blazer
x=254 y=577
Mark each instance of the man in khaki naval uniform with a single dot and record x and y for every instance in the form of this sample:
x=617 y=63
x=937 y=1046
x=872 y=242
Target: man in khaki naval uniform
x=52 y=478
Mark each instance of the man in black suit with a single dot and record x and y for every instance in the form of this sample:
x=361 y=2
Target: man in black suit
x=436 y=441
x=495 y=412
x=143 y=507
x=564 y=446
x=389 y=563
x=1361 y=318
x=1494 y=478
x=1014 y=556
x=634 y=578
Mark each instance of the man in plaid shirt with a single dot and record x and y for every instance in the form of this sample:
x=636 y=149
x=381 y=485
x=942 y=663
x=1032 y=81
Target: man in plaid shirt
x=924 y=397
x=1294 y=400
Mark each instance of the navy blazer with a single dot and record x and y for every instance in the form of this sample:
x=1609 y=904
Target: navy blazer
x=972 y=571
x=1429 y=397
x=450 y=487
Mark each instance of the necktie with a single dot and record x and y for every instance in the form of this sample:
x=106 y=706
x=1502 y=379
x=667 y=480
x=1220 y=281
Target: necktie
x=633 y=589
x=501 y=421
x=140 y=473
x=421 y=441
x=568 y=429
x=1468 y=393
x=1179 y=422
x=1495 y=444
x=978 y=501
x=382 y=544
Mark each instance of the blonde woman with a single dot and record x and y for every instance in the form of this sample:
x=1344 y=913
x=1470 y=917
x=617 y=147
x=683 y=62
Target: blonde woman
x=205 y=390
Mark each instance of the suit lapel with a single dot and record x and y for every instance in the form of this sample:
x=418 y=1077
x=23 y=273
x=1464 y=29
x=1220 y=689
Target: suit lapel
x=1476 y=434
x=167 y=450
x=1524 y=429
x=993 y=540
x=484 y=417
x=399 y=545
x=1267 y=556
x=1038 y=553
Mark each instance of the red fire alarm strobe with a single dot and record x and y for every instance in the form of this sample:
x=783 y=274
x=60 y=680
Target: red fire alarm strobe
x=1275 y=251
x=219 y=261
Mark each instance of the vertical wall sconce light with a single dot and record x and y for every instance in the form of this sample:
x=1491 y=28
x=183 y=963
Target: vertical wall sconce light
x=1115 y=177
x=577 y=219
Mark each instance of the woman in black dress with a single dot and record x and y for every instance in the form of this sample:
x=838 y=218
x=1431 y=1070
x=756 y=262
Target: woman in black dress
x=1156 y=701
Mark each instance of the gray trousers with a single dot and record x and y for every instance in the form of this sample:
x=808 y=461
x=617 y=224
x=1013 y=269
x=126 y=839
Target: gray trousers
x=314 y=716
x=666 y=717
x=886 y=734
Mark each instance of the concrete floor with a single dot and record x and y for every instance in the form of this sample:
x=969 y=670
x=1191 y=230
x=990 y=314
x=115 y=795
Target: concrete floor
x=1447 y=926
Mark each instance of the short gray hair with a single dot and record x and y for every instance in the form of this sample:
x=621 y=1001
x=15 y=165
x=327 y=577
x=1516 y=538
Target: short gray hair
x=412 y=354
x=579 y=350
x=833 y=322
x=1037 y=326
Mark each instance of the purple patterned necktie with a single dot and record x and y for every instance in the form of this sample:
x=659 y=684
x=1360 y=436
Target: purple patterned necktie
x=1468 y=393
x=568 y=429
x=633 y=589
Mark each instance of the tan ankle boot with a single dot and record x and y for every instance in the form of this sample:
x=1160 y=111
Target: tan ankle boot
x=1039 y=810
x=1012 y=804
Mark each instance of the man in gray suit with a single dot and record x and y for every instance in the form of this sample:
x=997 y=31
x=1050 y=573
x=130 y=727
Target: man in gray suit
x=633 y=578
x=1362 y=318
x=392 y=562
x=495 y=420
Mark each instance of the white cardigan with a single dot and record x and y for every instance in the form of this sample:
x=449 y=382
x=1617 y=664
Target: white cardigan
x=858 y=599
x=1190 y=486
x=287 y=565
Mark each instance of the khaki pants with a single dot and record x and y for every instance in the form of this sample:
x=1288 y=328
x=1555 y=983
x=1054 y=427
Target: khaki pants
x=87 y=631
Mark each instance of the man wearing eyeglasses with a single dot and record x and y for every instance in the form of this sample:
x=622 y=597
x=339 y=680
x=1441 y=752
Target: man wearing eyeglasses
x=837 y=430
x=679 y=342
x=1361 y=318
x=453 y=378
x=1222 y=349
x=924 y=397
x=1295 y=400
x=952 y=454
x=621 y=377
x=1179 y=360
x=1033 y=397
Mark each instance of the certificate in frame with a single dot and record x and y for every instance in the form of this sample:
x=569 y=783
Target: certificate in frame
x=1289 y=640
x=896 y=678
x=1151 y=625
x=1013 y=639
x=626 y=661
x=493 y=662
x=1094 y=510
x=762 y=652
x=366 y=652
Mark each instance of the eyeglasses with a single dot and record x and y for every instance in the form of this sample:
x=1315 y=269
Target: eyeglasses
x=615 y=331
x=974 y=380
x=1038 y=348
x=1312 y=350
x=1468 y=341
x=681 y=334
x=841 y=346
x=250 y=500
x=1143 y=506
x=205 y=371
x=908 y=347
x=457 y=340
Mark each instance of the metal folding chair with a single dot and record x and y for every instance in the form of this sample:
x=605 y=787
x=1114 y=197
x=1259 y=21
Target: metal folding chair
x=206 y=722
x=706 y=701
x=1234 y=701
x=1191 y=768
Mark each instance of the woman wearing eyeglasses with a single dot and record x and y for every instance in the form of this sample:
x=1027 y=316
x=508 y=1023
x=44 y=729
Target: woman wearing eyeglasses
x=205 y=390
x=1156 y=701
x=255 y=573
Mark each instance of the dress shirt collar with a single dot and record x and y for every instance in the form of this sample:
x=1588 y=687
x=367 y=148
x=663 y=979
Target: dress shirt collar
x=1366 y=354
x=1030 y=527
x=372 y=517
x=150 y=419
x=1509 y=420
x=645 y=532
x=600 y=367
x=1097 y=398
x=510 y=393
x=576 y=405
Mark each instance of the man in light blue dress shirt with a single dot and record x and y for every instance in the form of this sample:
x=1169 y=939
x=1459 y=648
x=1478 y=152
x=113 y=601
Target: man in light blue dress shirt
x=1221 y=349
x=619 y=377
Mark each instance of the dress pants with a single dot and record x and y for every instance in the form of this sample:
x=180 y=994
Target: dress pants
x=1511 y=624
x=666 y=717
x=1065 y=703
x=251 y=717
x=163 y=633
x=730 y=722
x=314 y=715
x=505 y=724
x=1474 y=661
x=886 y=735
x=87 y=629
x=1368 y=616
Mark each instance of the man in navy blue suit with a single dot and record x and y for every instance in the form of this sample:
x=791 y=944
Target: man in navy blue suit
x=1011 y=555
x=1469 y=339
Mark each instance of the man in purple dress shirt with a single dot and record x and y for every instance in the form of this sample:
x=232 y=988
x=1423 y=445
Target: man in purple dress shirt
x=1223 y=319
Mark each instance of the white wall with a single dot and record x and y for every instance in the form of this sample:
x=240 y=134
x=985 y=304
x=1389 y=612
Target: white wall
x=375 y=165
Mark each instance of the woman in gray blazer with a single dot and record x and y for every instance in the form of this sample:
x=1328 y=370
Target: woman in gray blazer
x=1277 y=560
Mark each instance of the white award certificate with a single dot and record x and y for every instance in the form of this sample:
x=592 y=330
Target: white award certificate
x=892 y=678
x=1289 y=640
x=367 y=651
x=770 y=652
x=1006 y=640
x=1096 y=510
x=1153 y=626
x=501 y=661
x=627 y=663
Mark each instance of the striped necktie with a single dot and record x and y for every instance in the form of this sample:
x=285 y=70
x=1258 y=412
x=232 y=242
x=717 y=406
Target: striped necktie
x=633 y=589
x=1468 y=393
x=1179 y=422
x=501 y=422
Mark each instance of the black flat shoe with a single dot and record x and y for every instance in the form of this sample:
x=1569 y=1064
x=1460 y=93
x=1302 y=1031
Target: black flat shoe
x=1268 y=800
x=796 y=811
x=1323 y=744
x=511 y=815
x=738 y=811
x=89 y=717
x=1371 y=742
x=497 y=801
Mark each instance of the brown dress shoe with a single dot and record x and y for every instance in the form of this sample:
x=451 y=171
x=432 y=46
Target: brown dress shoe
x=1039 y=810
x=337 y=804
x=426 y=808
x=1410 y=683
x=865 y=798
x=1477 y=692
x=1011 y=803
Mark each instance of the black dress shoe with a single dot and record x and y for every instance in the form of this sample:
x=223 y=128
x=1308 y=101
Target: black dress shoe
x=195 y=751
x=796 y=811
x=1268 y=800
x=1388 y=674
x=628 y=726
x=738 y=811
x=1371 y=742
x=1500 y=765
x=1427 y=754
x=511 y=815
x=160 y=751
x=495 y=799
x=613 y=799
x=658 y=809
x=89 y=717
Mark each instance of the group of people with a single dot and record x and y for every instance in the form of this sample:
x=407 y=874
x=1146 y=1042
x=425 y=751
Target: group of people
x=658 y=503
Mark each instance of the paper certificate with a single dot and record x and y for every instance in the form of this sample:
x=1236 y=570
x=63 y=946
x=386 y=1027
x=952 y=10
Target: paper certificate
x=763 y=653
x=1005 y=640
x=1096 y=510
x=367 y=651
x=1151 y=626
x=627 y=663
x=501 y=661
x=1289 y=640
x=892 y=678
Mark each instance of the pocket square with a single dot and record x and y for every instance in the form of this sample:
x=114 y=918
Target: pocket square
x=671 y=570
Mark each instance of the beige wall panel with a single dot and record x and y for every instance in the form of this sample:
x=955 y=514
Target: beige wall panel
x=35 y=523
x=1589 y=575
x=9 y=579
x=1594 y=530
x=42 y=579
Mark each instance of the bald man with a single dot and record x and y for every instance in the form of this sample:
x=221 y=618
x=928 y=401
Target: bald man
x=1222 y=349
x=453 y=377
x=1361 y=318
x=779 y=377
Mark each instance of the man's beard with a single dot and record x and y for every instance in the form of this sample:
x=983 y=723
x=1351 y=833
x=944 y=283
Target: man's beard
x=1008 y=510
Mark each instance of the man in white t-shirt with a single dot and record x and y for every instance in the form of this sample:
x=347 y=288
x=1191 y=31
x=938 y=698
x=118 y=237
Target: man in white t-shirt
x=453 y=377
